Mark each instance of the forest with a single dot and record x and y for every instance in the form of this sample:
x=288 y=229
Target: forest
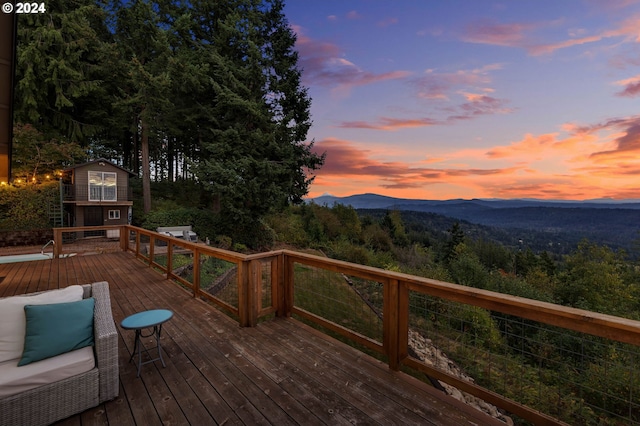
x=177 y=92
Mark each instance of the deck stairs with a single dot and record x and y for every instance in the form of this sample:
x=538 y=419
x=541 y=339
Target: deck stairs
x=55 y=215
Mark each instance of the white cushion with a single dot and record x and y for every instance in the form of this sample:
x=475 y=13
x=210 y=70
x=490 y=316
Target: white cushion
x=14 y=379
x=13 y=321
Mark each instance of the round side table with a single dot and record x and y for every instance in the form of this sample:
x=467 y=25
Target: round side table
x=146 y=319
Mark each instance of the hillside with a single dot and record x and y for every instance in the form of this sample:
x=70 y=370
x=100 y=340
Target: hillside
x=551 y=225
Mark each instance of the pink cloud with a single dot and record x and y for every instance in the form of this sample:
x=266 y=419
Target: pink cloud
x=388 y=22
x=629 y=143
x=491 y=32
x=631 y=87
x=478 y=105
x=388 y=123
x=434 y=85
x=323 y=63
x=520 y=35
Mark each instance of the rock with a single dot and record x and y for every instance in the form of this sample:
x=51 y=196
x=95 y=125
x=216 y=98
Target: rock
x=434 y=357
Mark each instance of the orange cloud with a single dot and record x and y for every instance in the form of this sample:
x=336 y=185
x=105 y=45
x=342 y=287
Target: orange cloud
x=530 y=146
x=581 y=162
x=345 y=161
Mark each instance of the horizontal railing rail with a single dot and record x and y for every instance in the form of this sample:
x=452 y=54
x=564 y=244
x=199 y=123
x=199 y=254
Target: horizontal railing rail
x=394 y=306
x=81 y=193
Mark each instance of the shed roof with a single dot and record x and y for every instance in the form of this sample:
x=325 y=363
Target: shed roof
x=99 y=160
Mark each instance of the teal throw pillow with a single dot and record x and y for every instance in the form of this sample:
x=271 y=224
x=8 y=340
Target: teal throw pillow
x=57 y=328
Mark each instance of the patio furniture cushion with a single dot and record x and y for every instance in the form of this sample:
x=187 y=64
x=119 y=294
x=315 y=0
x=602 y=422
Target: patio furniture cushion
x=13 y=320
x=55 y=329
x=15 y=379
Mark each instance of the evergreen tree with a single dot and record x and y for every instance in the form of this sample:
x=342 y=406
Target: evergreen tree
x=456 y=237
x=144 y=55
x=59 y=71
x=254 y=158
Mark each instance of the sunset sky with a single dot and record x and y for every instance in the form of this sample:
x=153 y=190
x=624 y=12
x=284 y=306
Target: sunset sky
x=436 y=99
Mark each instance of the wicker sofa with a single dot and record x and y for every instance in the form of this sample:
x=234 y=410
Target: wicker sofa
x=50 y=402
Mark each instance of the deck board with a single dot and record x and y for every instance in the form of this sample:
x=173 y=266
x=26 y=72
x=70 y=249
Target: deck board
x=279 y=372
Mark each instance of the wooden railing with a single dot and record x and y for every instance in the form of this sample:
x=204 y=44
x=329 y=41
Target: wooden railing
x=280 y=283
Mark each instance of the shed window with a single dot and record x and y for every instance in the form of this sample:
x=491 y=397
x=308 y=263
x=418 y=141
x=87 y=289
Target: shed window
x=102 y=186
x=114 y=214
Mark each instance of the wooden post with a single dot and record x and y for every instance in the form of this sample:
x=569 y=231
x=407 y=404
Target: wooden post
x=152 y=247
x=277 y=300
x=254 y=291
x=196 y=273
x=170 y=260
x=243 y=293
x=390 y=323
x=124 y=238
x=57 y=242
x=287 y=285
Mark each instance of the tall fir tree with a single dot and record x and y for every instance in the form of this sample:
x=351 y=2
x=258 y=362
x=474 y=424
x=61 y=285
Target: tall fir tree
x=144 y=53
x=59 y=72
x=254 y=158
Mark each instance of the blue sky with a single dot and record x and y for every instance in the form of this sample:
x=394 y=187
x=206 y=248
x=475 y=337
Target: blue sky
x=473 y=99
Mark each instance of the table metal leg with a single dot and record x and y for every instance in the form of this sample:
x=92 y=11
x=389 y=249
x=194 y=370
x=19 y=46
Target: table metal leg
x=138 y=347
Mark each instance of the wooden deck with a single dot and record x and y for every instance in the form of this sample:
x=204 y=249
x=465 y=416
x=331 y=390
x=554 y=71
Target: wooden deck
x=280 y=372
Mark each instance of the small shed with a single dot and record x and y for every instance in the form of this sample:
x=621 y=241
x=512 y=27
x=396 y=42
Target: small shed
x=97 y=193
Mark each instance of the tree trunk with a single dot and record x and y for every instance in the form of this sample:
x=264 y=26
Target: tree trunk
x=146 y=173
x=170 y=158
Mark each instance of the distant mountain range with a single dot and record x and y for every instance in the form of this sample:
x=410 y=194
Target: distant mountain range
x=605 y=221
x=375 y=201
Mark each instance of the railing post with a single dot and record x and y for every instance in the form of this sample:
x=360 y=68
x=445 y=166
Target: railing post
x=254 y=291
x=249 y=285
x=196 y=272
x=124 y=237
x=57 y=242
x=390 y=323
x=288 y=278
x=152 y=248
x=243 y=293
x=170 y=260
x=278 y=266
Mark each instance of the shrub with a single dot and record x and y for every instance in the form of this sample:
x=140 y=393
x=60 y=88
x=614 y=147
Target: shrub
x=26 y=207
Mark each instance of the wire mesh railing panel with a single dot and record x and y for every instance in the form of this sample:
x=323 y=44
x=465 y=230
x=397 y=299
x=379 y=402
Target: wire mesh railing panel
x=131 y=241
x=181 y=262
x=160 y=252
x=265 y=287
x=348 y=301
x=572 y=376
x=219 y=279
x=145 y=245
x=85 y=242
